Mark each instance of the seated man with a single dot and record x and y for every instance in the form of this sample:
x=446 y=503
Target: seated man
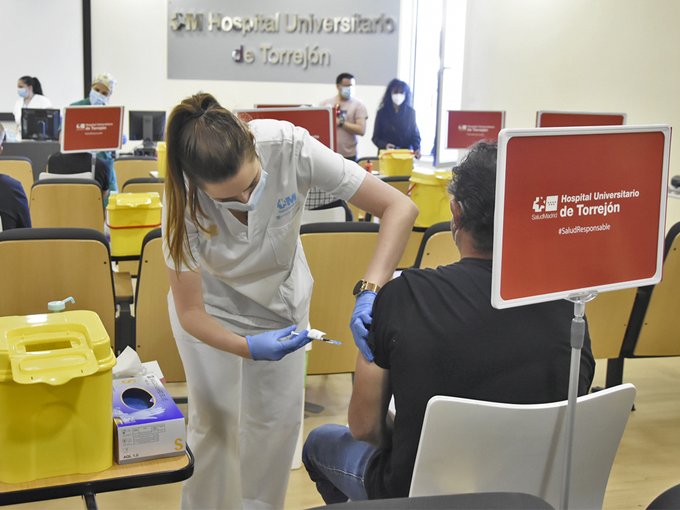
x=435 y=332
x=13 y=203
x=79 y=163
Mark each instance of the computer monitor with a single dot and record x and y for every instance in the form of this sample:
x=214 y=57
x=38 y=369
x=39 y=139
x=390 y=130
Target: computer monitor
x=147 y=126
x=40 y=124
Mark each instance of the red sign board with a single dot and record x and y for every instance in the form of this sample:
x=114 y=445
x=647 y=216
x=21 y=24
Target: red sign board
x=577 y=210
x=319 y=121
x=565 y=119
x=92 y=128
x=468 y=127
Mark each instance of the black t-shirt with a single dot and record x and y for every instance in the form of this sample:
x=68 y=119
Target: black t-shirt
x=437 y=333
x=76 y=163
x=13 y=204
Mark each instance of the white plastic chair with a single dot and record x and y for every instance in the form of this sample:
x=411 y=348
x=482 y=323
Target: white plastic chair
x=471 y=446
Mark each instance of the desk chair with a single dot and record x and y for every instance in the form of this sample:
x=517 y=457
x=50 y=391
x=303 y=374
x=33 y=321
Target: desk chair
x=341 y=212
x=20 y=169
x=153 y=336
x=70 y=203
x=144 y=185
x=415 y=239
x=38 y=265
x=475 y=446
x=338 y=254
x=131 y=167
x=652 y=330
x=399 y=182
x=437 y=247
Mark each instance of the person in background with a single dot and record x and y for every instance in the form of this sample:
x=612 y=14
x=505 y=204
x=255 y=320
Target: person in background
x=351 y=116
x=435 y=332
x=241 y=288
x=100 y=94
x=81 y=163
x=30 y=96
x=13 y=203
x=395 y=123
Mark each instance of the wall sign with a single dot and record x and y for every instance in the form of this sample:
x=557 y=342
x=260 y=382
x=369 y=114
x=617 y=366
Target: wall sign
x=578 y=209
x=295 y=41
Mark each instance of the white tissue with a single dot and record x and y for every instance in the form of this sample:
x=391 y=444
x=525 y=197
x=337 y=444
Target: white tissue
x=128 y=364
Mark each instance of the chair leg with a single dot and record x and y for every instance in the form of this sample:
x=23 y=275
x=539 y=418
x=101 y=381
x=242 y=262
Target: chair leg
x=614 y=372
x=125 y=329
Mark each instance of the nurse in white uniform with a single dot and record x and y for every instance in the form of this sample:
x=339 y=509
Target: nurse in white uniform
x=241 y=288
x=30 y=96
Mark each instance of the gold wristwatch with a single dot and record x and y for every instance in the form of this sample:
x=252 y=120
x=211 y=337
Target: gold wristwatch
x=363 y=285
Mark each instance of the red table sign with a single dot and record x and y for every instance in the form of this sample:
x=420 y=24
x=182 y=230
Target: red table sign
x=565 y=119
x=468 y=127
x=578 y=209
x=319 y=121
x=92 y=128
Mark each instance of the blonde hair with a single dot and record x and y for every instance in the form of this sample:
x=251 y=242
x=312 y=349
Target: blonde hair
x=205 y=143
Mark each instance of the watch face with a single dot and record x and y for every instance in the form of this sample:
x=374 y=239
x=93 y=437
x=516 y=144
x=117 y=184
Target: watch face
x=357 y=288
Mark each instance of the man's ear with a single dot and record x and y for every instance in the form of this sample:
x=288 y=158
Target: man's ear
x=456 y=211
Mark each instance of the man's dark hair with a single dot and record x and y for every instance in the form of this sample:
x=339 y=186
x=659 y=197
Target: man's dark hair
x=474 y=188
x=343 y=76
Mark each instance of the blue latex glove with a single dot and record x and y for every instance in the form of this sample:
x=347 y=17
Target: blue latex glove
x=274 y=345
x=361 y=319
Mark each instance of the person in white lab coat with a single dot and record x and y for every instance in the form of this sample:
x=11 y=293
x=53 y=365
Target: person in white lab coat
x=30 y=96
x=241 y=287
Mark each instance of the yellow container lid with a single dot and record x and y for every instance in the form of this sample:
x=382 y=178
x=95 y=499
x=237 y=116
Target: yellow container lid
x=148 y=200
x=395 y=154
x=430 y=177
x=53 y=348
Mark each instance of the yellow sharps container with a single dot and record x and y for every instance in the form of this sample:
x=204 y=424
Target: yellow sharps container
x=396 y=162
x=162 y=158
x=55 y=396
x=130 y=217
x=429 y=192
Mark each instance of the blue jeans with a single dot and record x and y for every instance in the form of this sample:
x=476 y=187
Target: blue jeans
x=337 y=463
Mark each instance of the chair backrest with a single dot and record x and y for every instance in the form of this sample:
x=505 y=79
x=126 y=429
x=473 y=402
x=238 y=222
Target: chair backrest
x=144 y=185
x=127 y=168
x=338 y=255
x=332 y=214
x=69 y=203
x=415 y=240
x=20 y=169
x=154 y=338
x=474 y=446
x=398 y=182
x=608 y=317
x=437 y=247
x=38 y=265
x=652 y=331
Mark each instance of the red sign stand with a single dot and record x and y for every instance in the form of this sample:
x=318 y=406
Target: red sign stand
x=467 y=127
x=546 y=118
x=92 y=128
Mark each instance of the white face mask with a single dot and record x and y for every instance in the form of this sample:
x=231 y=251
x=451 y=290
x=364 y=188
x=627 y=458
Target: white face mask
x=22 y=91
x=252 y=200
x=97 y=99
x=346 y=92
x=398 y=98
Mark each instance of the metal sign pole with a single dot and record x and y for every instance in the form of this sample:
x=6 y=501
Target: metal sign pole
x=578 y=330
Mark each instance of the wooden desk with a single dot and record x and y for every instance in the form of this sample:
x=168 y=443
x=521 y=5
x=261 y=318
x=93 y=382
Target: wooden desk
x=117 y=477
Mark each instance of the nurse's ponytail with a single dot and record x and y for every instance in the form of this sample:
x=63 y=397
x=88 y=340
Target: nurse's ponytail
x=206 y=143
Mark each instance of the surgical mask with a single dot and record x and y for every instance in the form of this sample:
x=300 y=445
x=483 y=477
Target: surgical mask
x=98 y=99
x=346 y=92
x=398 y=98
x=252 y=200
x=22 y=91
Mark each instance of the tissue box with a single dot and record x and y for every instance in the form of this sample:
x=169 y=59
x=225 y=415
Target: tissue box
x=147 y=422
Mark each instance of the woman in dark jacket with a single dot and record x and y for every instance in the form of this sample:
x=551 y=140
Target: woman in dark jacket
x=395 y=123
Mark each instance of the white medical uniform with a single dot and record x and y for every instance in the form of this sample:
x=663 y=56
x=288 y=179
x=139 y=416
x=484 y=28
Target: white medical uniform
x=245 y=415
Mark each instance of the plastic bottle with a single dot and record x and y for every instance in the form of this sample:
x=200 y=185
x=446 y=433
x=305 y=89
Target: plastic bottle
x=59 y=306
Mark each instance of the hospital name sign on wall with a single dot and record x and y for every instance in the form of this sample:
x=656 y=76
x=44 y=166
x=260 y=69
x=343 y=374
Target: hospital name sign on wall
x=258 y=44
x=292 y=23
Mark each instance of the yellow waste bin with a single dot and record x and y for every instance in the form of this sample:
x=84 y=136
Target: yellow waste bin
x=130 y=217
x=396 y=162
x=429 y=192
x=55 y=396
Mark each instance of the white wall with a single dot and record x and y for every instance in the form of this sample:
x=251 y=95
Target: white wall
x=129 y=40
x=580 y=55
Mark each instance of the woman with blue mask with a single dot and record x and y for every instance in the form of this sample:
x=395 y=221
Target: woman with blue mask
x=100 y=94
x=31 y=95
x=241 y=287
x=395 y=123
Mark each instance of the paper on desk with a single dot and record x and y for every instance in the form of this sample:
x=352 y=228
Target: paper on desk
x=128 y=364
